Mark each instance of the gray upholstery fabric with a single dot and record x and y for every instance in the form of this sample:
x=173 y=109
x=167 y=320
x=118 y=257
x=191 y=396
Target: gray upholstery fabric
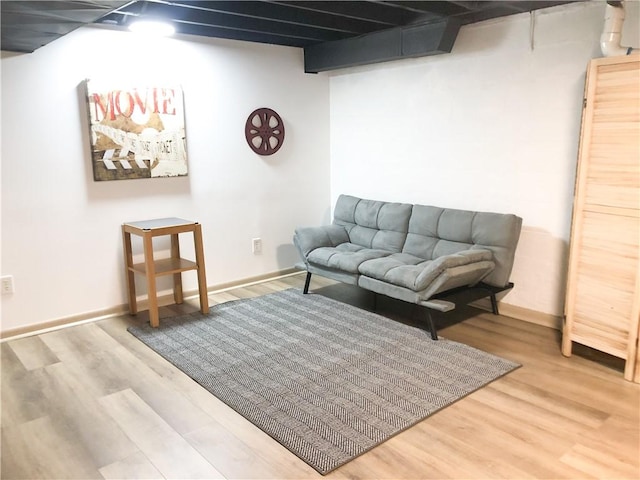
x=338 y=275
x=435 y=232
x=346 y=256
x=398 y=268
x=417 y=274
x=458 y=259
x=373 y=224
x=454 y=277
x=500 y=234
x=345 y=210
x=450 y=278
x=310 y=238
x=410 y=252
x=388 y=289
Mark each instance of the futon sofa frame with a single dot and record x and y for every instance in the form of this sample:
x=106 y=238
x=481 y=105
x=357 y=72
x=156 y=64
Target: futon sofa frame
x=416 y=253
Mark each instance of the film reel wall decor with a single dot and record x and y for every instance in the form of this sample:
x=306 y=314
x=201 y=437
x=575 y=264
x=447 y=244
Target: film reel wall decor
x=264 y=131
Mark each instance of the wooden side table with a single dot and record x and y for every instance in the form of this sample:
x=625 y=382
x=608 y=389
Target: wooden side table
x=174 y=265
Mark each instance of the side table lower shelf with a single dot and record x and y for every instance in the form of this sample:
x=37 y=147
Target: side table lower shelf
x=166 y=266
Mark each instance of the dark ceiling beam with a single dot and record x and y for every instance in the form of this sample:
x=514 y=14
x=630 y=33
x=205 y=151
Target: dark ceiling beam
x=18 y=39
x=528 y=6
x=38 y=23
x=385 y=45
x=485 y=10
x=243 y=35
x=488 y=13
x=433 y=7
x=77 y=11
x=195 y=16
x=285 y=14
x=28 y=25
x=497 y=9
x=365 y=10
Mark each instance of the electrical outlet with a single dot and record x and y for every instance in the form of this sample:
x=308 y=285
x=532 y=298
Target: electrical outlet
x=6 y=284
x=256 y=246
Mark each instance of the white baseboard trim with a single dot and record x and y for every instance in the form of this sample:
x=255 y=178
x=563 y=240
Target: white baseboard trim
x=531 y=316
x=164 y=299
x=521 y=313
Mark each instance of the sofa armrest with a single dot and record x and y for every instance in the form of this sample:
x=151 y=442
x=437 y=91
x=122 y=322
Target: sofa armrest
x=307 y=239
x=465 y=257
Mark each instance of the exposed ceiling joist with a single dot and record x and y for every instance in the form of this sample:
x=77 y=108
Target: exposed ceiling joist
x=28 y=25
x=343 y=29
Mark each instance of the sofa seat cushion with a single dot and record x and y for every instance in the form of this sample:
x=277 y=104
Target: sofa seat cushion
x=399 y=269
x=346 y=256
x=417 y=274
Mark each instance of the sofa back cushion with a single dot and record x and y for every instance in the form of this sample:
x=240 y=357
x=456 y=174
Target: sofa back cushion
x=434 y=232
x=373 y=224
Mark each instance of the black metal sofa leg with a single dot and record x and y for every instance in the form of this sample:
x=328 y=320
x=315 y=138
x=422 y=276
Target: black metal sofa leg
x=494 y=304
x=306 y=283
x=432 y=326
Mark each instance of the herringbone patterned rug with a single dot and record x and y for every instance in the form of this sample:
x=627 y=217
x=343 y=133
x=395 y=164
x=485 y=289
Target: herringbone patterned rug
x=327 y=380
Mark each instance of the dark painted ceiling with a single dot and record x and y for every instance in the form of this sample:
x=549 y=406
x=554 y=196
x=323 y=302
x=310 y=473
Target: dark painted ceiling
x=28 y=25
x=303 y=23
x=334 y=34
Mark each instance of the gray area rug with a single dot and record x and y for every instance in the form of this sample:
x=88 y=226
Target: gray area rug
x=327 y=380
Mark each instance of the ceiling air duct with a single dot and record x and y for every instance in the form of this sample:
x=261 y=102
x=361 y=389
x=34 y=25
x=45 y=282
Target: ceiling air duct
x=382 y=46
x=612 y=32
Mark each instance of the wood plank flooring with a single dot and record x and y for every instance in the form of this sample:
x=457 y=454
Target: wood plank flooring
x=91 y=401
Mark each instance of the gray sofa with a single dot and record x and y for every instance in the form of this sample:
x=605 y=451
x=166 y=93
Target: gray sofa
x=416 y=253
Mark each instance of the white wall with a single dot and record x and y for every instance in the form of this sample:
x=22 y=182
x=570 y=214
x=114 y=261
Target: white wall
x=61 y=230
x=492 y=126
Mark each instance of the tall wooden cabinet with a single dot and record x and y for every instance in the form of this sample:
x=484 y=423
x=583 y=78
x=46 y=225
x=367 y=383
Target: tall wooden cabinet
x=603 y=293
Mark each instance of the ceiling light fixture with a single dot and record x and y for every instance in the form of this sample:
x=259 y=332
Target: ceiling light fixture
x=156 y=28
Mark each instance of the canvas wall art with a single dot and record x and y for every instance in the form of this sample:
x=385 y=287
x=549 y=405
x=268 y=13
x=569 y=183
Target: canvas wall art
x=136 y=131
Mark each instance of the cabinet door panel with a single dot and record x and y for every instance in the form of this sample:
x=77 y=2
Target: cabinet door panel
x=607 y=267
x=603 y=291
x=612 y=150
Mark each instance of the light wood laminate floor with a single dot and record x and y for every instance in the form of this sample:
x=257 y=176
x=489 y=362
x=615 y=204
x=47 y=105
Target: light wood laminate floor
x=91 y=401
